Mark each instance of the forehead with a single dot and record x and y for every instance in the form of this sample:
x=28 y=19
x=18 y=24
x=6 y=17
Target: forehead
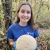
x=25 y=7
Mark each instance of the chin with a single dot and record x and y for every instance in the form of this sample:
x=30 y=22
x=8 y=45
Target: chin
x=25 y=21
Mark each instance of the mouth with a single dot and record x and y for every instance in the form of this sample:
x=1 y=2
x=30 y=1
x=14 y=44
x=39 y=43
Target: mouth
x=24 y=18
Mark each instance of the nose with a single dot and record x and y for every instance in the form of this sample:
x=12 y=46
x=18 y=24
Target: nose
x=25 y=14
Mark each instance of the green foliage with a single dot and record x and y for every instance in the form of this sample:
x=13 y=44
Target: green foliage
x=1 y=16
x=42 y=14
x=1 y=13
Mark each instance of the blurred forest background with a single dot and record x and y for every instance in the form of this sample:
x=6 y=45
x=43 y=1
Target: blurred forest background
x=41 y=11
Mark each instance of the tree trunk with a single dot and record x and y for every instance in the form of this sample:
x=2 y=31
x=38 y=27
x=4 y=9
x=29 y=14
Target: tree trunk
x=7 y=8
x=26 y=0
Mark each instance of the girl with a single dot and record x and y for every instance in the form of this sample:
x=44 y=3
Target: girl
x=23 y=25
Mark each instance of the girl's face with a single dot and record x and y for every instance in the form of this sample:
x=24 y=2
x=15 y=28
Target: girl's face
x=24 y=13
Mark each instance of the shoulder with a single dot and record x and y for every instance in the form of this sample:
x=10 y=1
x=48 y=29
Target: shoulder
x=14 y=25
x=36 y=30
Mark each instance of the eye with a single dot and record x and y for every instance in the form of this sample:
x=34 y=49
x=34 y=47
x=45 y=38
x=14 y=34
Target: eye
x=22 y=11
x=28 y=12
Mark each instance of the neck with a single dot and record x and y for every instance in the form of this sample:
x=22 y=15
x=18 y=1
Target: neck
x=22 y=24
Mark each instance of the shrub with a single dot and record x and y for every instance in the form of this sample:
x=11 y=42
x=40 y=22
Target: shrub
x=44 y=41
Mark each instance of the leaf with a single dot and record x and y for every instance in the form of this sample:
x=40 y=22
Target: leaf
x=1 y=32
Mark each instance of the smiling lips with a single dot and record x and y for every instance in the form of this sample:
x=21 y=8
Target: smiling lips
x=25 y=18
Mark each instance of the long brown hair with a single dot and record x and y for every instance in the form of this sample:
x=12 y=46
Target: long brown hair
x=31 y=21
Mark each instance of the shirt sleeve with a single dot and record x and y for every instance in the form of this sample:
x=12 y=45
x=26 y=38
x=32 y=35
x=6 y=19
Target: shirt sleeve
x=9 y=34
x=36 y=33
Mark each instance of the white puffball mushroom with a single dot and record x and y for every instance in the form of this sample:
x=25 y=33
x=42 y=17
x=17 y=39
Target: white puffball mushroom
x=26 y=42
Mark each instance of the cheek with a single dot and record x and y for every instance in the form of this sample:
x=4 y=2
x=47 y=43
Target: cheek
x=29 y=16
x=19 y=14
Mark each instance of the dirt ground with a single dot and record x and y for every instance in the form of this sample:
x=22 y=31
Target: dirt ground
x=42 y=30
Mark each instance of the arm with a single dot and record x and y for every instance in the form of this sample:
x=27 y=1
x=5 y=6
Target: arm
x=10 y=36
x=11 y=41
x=36 y=34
